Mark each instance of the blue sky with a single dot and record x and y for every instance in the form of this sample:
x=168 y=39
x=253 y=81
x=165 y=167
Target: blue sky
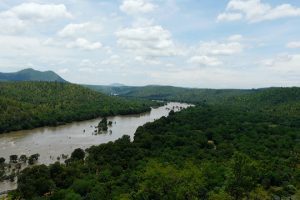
x=191 y=43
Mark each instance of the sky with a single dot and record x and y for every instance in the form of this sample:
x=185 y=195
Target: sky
x=189 y=43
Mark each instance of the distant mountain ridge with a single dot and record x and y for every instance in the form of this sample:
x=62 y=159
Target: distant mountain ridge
x=170 y=93
x=31 y=75
x=117 y=85
x=253 y=97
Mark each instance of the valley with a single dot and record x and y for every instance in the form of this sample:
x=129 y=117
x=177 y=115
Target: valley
x=149 y=100
x=255 y=131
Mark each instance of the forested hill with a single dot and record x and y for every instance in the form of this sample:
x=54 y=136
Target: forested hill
x=210 y=152
x=25 y=105
x=267 y=96
x=170 y=93
x=31 y=75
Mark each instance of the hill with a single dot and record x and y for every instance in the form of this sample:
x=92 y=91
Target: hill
x=116 y=85
x=114 y=90
x=170 y=93
x=25 y=105
x=31 y=75
x=267 y=96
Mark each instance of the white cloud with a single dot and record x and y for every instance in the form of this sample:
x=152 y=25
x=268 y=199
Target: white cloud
x=113 y=60
x=84 y=44
x=205 y=61
x=133 y=7
x=38 y=12
x=283 y=69
x=16 y=43
x=229 y=17
x=210 y=77
x=16 y=51
x=18 y=18
x=284 y=64
x=213 y=53
x=147 y=61
x=51 y=42
x=87 y=63
x=153 y=41
x=75 y=30
x=41 y=12
x=216 y=48
x=63 y=71
x=86 y=69
x=293 y=45
x=235 y=38
x=76 y=36
x=11 y=25
x=256 y=11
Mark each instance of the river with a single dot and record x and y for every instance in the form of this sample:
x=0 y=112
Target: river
x=52 y=142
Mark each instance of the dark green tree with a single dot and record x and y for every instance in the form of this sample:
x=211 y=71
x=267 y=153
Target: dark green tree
x=242 y=176
x=2 y=161
x=35 y=181
x=23 y=158
x=13 y=158
x=78 y=154
x=33 y=159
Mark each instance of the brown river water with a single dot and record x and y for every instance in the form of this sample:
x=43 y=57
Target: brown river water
x=51 y=142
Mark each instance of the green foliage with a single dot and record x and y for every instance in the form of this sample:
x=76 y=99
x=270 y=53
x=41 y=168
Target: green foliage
x=13 y=158
x=103 y=125
x=219 y=195
x=78 y=154
x=35 y=181
x=33 y=159
x=66 y=195
x=259 y=98
x=25 y=105
x=242 y=177
x=23 y=158
x=166 y=182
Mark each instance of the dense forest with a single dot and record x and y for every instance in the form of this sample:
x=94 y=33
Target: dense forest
x=245 y=148
x=25 y=105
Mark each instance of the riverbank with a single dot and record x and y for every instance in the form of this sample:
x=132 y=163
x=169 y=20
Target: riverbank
x=28 y=105
x=52 y=142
